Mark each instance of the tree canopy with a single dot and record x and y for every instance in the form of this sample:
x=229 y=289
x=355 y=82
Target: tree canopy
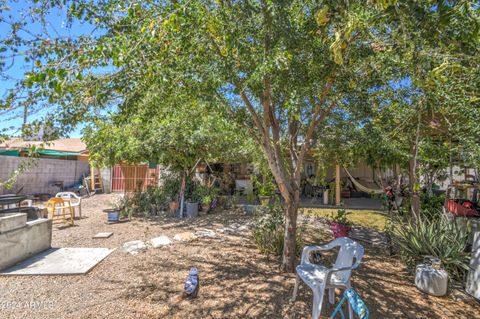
x=292 y=74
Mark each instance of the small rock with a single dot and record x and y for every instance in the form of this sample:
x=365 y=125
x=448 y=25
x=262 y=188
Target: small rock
x=227 y=230
x=160 y=241
x=186 y=236
x=134 y=247
x=205 y=233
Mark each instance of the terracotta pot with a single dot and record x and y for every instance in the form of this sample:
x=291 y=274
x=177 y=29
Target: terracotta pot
x=205 y=207
x=201 y=168
x=339 y=230
x=173 y=206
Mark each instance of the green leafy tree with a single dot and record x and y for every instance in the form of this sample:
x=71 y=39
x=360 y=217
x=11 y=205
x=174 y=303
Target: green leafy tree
x=280 y=69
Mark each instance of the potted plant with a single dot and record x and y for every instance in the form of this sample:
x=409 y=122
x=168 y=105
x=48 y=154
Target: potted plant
x=113 y=214
x=206 y=202
x=265 y=193
x=339 y=224
x=265 y=190
x=193 y=195
x=170 y=187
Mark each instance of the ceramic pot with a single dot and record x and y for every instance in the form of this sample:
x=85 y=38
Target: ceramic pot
x=113 y=215
x=173 y=205
x=339 y=230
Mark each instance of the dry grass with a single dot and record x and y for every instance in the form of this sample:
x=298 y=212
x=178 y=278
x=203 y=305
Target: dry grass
x=364 y=218
x=236 y=281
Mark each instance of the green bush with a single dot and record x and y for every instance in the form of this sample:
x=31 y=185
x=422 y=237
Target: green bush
x=148 y=203
x=155 y=199
x=269 y=228
x=203 y=194
x=431 y=206
x=171 y=185
x=265 y=187
x=438 y=238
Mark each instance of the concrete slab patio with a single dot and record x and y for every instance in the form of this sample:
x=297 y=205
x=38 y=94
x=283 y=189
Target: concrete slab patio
x=60 y=261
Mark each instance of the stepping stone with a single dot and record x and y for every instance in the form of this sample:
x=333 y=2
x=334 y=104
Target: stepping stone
x=103 y=235
x=234 y=228
x=186 y=236
x=205 y=233
x=160 y=241
x=134 y=247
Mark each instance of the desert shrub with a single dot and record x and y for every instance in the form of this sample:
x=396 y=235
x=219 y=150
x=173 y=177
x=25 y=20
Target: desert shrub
x=148 y=203
x=439 y=238
x=155 y=199
x=269 y=227
x=170 y=186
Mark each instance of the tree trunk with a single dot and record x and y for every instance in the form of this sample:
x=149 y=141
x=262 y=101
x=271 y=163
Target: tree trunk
x=413 y=182
x=289 y=253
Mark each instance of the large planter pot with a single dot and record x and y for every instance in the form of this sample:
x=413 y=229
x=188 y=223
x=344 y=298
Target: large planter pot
x=192 y=210
x=339 y=230
x=113 y=215
x=264 y=200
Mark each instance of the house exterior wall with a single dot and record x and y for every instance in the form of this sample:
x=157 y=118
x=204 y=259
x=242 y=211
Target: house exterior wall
x=45 y=171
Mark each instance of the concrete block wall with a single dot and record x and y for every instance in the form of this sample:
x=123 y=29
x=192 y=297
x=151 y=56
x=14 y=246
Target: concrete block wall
x=45 y=171
x=18 y=244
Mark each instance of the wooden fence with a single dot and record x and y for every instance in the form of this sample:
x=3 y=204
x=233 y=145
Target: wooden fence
x=130 y=178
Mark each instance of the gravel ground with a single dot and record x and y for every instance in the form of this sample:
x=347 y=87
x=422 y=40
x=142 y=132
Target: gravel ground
x=235 y=280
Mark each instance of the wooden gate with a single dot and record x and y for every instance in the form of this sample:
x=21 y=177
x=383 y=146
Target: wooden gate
x=130 y=178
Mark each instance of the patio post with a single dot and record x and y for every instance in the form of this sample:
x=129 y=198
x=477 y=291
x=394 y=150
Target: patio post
x=92 y=176
x=337 y=184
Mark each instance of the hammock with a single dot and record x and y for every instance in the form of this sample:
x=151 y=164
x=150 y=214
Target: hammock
x=362 y=188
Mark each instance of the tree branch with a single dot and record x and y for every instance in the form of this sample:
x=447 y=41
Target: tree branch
x=319 y=115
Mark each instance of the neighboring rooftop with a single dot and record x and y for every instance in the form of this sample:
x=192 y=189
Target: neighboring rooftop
x=74 y=145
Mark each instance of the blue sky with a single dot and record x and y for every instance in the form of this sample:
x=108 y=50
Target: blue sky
x=57 y=27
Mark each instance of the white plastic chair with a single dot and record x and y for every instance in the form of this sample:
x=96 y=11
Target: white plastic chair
x=75 y=200
x=319 y=278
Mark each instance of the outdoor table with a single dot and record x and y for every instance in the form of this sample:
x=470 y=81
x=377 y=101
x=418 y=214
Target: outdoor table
x=11 y=199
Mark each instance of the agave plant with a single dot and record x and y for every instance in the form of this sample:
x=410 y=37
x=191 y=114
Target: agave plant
x=439 y=238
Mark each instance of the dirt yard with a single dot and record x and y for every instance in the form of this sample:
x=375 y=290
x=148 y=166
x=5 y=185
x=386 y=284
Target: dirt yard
x=235 y=280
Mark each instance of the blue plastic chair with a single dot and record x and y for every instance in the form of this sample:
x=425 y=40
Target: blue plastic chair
x=356 y=305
